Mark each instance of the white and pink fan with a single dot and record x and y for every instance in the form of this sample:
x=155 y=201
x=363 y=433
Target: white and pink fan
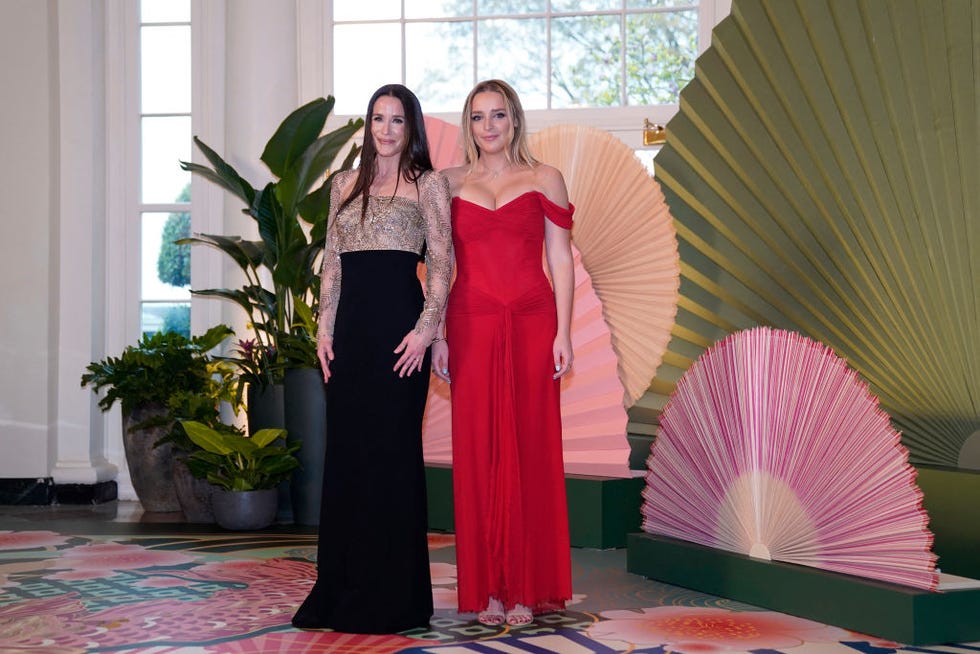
x=773 y=447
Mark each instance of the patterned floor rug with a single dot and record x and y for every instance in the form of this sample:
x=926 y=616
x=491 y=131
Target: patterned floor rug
x=66 y=593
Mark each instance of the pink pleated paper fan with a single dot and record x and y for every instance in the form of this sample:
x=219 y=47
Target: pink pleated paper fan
x=445 y=148
x=773 y=447
x=626 y=234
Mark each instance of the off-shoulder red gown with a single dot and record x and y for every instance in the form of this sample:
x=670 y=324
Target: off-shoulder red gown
x=509 y=488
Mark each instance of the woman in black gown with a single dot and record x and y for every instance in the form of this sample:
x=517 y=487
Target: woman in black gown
x=376 y=325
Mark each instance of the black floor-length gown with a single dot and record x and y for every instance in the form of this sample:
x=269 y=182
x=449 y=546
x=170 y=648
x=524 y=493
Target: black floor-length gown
x=372 y=555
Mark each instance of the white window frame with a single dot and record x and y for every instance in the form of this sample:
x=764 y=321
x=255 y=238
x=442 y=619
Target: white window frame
x=123 y=203
x=626 y=123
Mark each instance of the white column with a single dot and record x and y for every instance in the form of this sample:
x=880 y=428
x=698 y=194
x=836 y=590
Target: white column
x=261 y=89
x=78 y=243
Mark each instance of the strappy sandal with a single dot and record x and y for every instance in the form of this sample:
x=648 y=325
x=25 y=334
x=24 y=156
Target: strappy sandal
x=493 y=615
x=519 y=615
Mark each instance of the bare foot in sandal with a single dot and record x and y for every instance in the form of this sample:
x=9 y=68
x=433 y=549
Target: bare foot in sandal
x=519 y=615
x=493 y=615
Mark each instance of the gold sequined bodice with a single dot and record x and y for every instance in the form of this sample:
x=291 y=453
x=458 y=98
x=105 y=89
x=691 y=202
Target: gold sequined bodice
x=391 y=223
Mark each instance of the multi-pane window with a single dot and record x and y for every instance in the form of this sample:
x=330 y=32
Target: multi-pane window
x=558 y=54
x=165 y=138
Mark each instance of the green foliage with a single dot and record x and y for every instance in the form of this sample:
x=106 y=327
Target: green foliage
x=174 y=260
x=597 y=59
x=289 y=251
x=237 y=462
x=178 y=320
x=160 y=366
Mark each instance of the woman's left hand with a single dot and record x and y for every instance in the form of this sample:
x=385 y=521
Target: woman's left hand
x=412 y=349
x=562 y=350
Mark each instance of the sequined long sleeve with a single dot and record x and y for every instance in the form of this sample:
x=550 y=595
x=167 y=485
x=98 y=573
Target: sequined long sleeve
x=434 y=199
x=330 y=273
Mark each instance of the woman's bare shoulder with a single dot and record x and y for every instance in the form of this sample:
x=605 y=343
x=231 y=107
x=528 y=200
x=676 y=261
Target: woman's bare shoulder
x=551 y=182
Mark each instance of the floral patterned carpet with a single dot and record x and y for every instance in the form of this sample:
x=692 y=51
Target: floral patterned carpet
x=64 y=593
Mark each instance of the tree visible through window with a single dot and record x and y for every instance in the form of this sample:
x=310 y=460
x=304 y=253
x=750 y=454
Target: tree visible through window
x=558 y=53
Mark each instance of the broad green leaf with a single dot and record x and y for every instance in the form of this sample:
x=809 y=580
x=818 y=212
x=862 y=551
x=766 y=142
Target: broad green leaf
x=294 y=135
x=264 y=437
x=206 y=438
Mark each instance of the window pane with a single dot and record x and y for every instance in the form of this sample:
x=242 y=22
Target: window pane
x=165 y=317
x=166 y=267
x=439 y=63
x=586 y=62
x=438 y=8
x=505 y=7
x=166 y=141
x=584 y=5
x=527 y=72
x=366 y=10
x=655 y=4
x=165 y=69
x=165 y=11
x=660 y=52
x=355 y=77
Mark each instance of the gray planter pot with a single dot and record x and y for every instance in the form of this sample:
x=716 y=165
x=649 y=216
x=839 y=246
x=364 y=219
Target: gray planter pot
x=244 y=510
x=150 y=468
x=266 y=410
x=194 y=495
x=306 y=423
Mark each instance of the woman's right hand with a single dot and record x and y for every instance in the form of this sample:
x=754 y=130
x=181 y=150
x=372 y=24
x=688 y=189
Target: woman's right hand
x=440 y=360
x=324 y=352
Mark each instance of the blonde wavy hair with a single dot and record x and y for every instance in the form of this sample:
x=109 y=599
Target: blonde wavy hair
x=518 y=151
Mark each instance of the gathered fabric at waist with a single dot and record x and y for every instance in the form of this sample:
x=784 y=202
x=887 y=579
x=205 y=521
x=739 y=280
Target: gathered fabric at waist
x=473 y=300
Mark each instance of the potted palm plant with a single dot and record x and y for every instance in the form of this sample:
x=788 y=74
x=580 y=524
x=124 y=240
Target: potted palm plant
x=279 y=360
x=245 y=472
x=165 y=377
x=291 y=217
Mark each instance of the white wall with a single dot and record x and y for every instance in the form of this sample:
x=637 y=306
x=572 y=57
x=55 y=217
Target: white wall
x=28 y=179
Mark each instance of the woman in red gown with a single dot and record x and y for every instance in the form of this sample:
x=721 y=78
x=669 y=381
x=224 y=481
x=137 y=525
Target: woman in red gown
x=507 y=346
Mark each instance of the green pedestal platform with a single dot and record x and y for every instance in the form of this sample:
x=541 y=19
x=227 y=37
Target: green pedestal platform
x=951 y=498
x=601 y=510
x=898 y=613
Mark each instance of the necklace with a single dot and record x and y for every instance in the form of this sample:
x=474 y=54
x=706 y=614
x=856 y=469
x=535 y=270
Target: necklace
x=494 y=174
x=384 y=203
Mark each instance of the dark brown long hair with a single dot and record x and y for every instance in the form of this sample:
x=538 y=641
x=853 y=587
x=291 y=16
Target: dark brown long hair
x=414 y=159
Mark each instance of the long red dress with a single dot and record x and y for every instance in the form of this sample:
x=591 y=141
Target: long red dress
x=508 y=481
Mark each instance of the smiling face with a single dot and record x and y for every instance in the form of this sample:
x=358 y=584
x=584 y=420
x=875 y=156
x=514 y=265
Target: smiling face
x=388 y=126
x=491 y=123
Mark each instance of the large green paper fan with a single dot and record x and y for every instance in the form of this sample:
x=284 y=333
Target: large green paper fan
x=823 y=173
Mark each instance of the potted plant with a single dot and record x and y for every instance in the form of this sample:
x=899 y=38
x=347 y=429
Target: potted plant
x=158 y=381
x=244 y=470
x=291 y=217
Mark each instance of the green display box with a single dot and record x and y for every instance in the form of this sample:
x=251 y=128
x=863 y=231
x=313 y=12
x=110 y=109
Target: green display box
x=899 y=613
x=601 y=510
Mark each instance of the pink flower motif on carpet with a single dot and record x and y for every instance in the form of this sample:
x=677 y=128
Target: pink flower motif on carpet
x=700 y=629
x=319 y=642
x=162 y=582
x=267 y=601
x=104 y=559
x=445 y=598
x=29 y=540
x=251 y=571
x=442 y=573
x=438 y=541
